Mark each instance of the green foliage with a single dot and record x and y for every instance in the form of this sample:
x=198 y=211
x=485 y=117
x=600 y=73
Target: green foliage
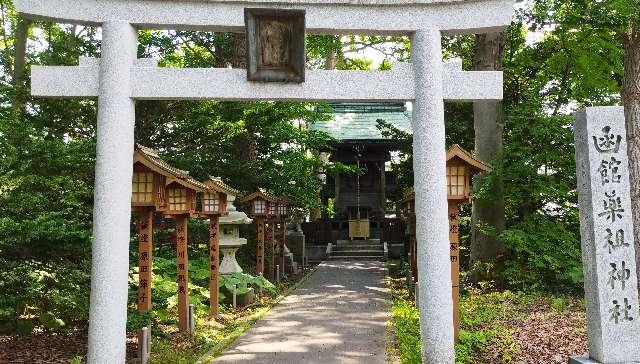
x=52 y=295
x=406 y=321
x=473 y=343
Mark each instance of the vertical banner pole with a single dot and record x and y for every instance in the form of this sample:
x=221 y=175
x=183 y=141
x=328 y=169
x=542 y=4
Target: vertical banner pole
x=214 y=260
x=145 y=259
x=260 y=247
x=429 y=166
x=183 y=271
x=112 y=195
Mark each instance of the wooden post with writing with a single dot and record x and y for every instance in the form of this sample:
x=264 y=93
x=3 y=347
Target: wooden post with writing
x=454 y=224
x=145 y=262
x=214 y=260
x=283 y=229
x=271 y=237
x=183 y=269
x=413 y=247
x=260 y=247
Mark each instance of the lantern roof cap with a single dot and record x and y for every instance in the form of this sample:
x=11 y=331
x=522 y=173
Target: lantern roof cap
x=456 y=151
x=217 y=184
x=476 y=165
x=151 y=159
x=260 y=193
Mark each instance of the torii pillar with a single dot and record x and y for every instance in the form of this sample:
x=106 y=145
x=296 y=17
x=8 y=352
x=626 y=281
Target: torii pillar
x=432 y=225
x=112 y=196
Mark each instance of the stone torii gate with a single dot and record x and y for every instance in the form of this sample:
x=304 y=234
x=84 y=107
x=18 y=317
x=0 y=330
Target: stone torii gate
x=118 y=79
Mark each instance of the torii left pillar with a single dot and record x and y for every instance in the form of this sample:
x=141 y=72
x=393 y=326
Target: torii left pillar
x=112 y=195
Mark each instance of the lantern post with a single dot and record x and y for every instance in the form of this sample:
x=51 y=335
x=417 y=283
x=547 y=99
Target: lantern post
x=409 y=202
x=271 y=239
x=214 y=205
x=181 y=204
x=259 y=203
x=147 y=191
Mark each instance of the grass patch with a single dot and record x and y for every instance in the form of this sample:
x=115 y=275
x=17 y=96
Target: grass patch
x=481 y=314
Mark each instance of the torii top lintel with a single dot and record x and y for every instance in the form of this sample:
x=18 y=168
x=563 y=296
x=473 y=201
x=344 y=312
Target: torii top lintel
x=394 y=17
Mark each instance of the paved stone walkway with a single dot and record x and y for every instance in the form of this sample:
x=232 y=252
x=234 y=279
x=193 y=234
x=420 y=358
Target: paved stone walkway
x=337 y=316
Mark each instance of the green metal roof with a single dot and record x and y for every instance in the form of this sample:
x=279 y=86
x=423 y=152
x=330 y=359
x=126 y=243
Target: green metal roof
x=358 y=121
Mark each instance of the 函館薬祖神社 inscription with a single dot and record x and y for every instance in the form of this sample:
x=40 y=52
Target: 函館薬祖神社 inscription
x=606 y=228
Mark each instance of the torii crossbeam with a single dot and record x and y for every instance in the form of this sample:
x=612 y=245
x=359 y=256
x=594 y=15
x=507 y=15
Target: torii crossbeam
x=118 y=79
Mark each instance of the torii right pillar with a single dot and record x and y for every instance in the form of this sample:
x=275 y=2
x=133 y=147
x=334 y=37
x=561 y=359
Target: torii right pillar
x=432 y=227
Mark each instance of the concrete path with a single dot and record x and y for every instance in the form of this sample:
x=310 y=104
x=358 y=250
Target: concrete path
x=337 y=316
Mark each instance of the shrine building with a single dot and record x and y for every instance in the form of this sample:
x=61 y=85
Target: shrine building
x=361 y=204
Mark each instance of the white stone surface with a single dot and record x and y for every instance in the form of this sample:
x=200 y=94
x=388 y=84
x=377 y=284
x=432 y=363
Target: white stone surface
x=112 y=202
x=152 y=83
x=432 y=225
x=229 y=264
x=606 y=229
x=335 y=17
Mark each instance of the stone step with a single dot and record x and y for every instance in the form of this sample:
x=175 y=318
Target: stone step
x=362 y=242
x=358 y=257
x=358 y=253
x=358 y=247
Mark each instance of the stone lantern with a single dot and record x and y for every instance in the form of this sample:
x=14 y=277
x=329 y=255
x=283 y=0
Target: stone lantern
x=230 y=240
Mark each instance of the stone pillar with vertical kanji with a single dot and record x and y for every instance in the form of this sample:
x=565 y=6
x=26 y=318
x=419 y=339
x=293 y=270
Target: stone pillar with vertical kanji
x=260 y=246
x=183 y=270
x=145 y=256
x=214 y=261
x=454 y=226
x=271 y=250
x=606 y=230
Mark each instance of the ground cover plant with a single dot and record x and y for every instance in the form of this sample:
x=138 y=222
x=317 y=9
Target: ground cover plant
x=496 y=326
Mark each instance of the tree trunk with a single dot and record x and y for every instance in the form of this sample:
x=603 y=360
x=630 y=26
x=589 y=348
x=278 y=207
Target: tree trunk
x=19 y=64
x=487 y=122
x=631 y=100
x=330 y=63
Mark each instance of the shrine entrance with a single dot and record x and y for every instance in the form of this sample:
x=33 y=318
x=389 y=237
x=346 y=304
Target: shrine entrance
x=118 y=79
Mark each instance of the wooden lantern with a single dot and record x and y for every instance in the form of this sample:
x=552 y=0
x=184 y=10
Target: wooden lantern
x=461 y=166
x=148 y=182
x=259 y=207
x=214 y=199
x=283 y=208
x=259 y=203
x=274 y=210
